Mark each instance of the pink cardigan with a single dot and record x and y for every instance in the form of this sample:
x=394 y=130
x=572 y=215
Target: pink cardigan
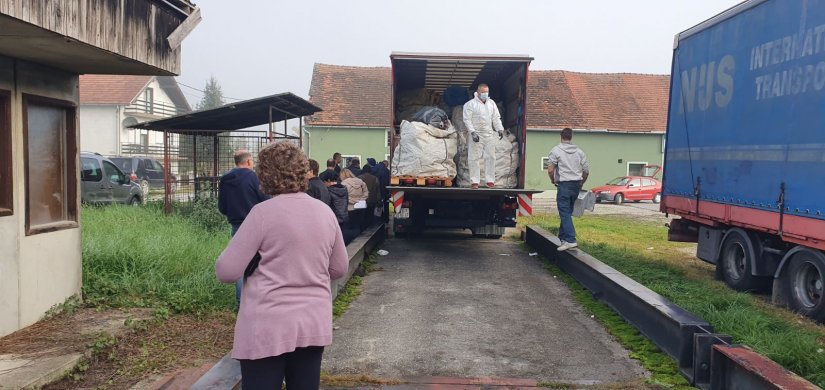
x=286 y=303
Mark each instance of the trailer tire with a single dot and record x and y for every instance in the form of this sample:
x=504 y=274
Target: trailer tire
x=804 y=281
x=735 y=263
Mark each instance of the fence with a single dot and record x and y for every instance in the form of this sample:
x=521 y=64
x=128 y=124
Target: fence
x=202 y=160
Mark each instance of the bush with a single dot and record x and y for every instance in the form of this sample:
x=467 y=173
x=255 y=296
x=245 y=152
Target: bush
x=203 y=212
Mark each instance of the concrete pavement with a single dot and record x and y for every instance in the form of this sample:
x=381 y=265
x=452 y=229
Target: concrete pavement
x=460 y=307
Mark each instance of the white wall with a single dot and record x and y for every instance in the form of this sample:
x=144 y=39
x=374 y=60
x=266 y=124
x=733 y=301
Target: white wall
x=10 y=227
x=99 y=125
x=41 y=270
x=155 y=137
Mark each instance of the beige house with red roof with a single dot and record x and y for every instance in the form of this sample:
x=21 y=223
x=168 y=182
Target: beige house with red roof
x=111 y=103
x=619 y=119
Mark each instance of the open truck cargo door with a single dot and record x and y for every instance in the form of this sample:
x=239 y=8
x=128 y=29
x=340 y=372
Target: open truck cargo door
x=442 y=80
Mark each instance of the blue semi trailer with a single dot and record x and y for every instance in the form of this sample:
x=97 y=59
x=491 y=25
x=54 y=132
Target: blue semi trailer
x=745 y=151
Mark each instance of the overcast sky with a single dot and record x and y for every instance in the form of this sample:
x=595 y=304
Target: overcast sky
x=261 y=47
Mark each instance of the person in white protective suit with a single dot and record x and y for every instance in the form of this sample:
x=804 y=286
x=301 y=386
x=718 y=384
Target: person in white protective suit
x=483 y=122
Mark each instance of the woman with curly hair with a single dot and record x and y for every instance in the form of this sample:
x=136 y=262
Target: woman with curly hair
x=285 y=318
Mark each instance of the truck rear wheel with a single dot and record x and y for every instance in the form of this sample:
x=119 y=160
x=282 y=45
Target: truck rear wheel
x=805 y=283
x=735 y=264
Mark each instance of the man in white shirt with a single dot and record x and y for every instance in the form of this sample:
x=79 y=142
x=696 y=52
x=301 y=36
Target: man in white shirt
x=483 y=122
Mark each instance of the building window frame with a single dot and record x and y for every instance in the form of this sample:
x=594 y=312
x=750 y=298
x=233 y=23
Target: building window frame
x=70 y=168
x=345 y=159
x=6 y=160
x=545 y=163
x=642 y=163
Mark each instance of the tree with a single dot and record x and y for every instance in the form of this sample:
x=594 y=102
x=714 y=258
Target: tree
x=212 y=95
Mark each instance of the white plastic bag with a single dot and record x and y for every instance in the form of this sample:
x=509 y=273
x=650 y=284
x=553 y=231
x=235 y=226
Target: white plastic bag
x=425 y=150
x=585 y=201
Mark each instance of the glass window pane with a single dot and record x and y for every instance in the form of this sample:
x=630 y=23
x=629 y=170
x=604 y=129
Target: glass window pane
x=90 y=170
x=636 y=183
x=46 y=164
x=112 y=173
x=5 y=155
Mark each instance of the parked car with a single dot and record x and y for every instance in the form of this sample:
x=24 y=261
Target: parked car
x=635 y=188
x=146 y=171
x=102 y=182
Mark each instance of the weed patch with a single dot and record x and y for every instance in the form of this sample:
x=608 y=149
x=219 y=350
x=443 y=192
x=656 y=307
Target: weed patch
x=138 y=257
x=353 y=287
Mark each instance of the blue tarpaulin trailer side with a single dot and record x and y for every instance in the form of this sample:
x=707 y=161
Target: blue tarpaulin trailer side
x=745 y=147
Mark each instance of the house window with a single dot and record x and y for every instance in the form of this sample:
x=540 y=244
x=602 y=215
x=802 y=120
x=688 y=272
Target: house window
x=6 y=182
x=349 y=157
x=545 y=163
x=50 y=139
x=150 y=100
x=636 y=168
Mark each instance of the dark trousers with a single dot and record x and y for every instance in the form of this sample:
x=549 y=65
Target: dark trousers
x=566 y=196
x=369 y=217
x=301 y=369
x=239 y=283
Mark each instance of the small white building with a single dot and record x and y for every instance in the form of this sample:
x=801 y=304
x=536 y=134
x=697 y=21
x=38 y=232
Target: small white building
x=111 y=103
x=44 y=47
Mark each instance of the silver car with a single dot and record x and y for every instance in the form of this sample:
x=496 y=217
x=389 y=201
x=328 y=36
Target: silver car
x=102 y=182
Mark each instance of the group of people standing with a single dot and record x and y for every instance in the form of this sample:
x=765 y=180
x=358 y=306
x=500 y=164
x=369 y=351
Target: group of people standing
x=357 y=194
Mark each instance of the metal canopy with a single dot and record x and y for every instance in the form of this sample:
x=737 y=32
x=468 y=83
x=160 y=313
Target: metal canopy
x=235 y=116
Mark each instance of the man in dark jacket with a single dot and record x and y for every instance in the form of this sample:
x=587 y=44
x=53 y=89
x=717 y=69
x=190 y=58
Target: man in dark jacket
x=383 y=174
x=337 y=158
x=317 y=188
x=355 y=167
x=239 y=190
x=331 y=174
x=339 y=201
x=373 y=198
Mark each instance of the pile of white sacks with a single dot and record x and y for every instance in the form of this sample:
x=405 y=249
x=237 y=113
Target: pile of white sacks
x=507 y=156
x=425 y=150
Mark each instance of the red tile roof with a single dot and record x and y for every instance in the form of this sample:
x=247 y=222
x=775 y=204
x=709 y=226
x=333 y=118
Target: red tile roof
x=360 y=96
x=351 y=96
x=111 y=89
x=598 y=101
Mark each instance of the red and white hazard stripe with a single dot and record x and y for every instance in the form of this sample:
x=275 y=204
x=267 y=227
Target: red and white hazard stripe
x=397 y=200
x=525 y=205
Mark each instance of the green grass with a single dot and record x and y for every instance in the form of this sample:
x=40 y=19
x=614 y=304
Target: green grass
x=641 y=251
x=662 y=367
x=137 y=257
x=353 y=287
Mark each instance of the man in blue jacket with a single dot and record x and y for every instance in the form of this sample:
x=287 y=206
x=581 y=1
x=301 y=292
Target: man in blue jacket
x=239 y=191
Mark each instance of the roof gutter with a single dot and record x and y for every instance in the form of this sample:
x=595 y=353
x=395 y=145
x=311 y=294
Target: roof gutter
x=555 y=130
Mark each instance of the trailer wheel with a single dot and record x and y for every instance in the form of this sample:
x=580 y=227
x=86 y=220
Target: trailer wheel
x=805 y=282
x=735 y=264
x=619 y=198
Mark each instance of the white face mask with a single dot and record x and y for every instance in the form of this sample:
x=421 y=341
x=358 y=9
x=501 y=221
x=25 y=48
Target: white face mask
x=483 y=95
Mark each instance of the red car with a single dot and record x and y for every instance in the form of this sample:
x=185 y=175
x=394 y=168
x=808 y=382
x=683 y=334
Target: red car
x=635 y=188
